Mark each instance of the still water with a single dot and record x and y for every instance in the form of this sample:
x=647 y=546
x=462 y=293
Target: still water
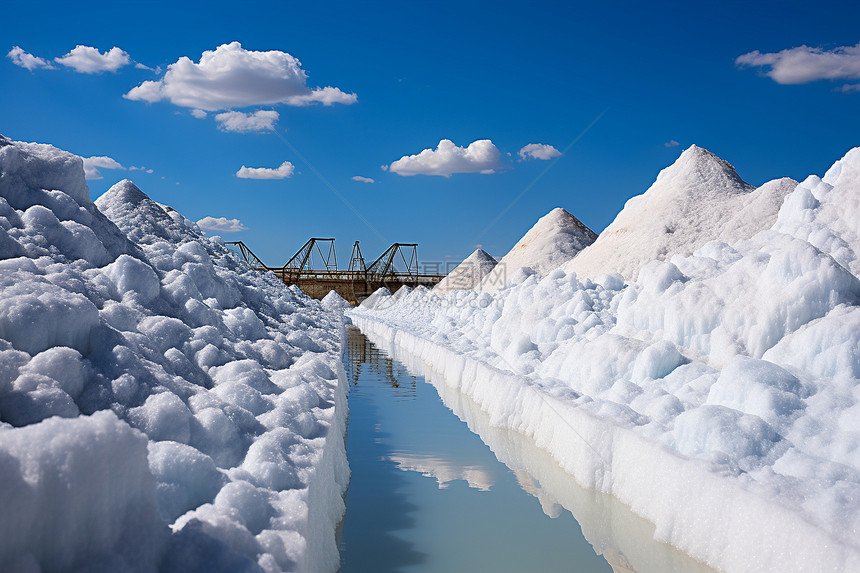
x=435 y=488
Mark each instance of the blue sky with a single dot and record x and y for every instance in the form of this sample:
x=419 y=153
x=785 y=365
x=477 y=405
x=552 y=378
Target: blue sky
x=612 y=87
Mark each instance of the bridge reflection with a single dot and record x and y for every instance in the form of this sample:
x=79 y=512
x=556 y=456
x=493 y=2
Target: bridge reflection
x=362 y=352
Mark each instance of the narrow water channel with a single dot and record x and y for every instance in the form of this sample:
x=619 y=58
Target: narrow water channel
x=428 y=494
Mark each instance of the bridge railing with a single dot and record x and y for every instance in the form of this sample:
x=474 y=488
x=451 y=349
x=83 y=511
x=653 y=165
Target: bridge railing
x=295 y=275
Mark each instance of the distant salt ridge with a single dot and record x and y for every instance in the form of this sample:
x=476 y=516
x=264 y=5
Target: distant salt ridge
x=555 y=239
x=697 y=199
x=379 y=297
x=468 y=274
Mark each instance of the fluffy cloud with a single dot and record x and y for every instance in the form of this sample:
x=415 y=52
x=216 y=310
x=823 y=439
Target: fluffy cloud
x=198 y=113
x=231 y=76
x=326 y=96
x=480 y=157
x=285 y=170
x=538 y=151
x=221 y=225
x=21 y=58
x=363 y=179
x=804 y=64
x=246 y=122
x=92 y=165
x=88 y=60
x=140 y=168
x=671 y=143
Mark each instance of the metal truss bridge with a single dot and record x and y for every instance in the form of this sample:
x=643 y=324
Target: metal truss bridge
x=314 y=269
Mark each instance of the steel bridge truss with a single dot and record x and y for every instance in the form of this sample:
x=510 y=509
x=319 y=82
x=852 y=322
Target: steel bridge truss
x=400 y=260
x=303 y=259
x=385 y=265
x=314 y=269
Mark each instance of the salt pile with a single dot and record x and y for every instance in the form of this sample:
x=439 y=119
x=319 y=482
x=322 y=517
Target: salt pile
x=697 y=199
x=555 y=239
x=163 y=406
x=334 y=301
x=468 y=274
x=717 y=394
x=381 y=297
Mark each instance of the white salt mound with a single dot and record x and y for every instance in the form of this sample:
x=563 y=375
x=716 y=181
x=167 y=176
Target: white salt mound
x=401 y=293
x=697 y=199
x=555 y=239
x=381 y=297
x=333 y=301
x=163 y=407
x=468 y=274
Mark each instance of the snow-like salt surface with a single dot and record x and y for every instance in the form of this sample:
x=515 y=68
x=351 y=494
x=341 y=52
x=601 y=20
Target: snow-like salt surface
x=163 y=407
x=697 y=199
x=826 y=212
x=555 y=239
x=717 y=395
x=467 y=274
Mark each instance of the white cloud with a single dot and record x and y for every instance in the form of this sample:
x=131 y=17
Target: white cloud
x=671 y=143
x=21 y=58
x=231 y=76
x=326 y=96
x=445 y=471
x=262 y=120
x=803 y=64
x=363 y=179
x=284 y=171
x=198 y=113
x=221 y=224
x=88 y=60
x=538 y=151
x=139 y=66
x=850 y=88
x=141 y=168
x=91 y=165
x=480 y=157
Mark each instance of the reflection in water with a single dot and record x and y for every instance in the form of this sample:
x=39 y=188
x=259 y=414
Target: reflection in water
x=444 y=470
x=623 y=538
x=362 y=352
x=402 y=444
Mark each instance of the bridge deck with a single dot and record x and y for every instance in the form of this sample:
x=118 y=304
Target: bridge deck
x=352 y=285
